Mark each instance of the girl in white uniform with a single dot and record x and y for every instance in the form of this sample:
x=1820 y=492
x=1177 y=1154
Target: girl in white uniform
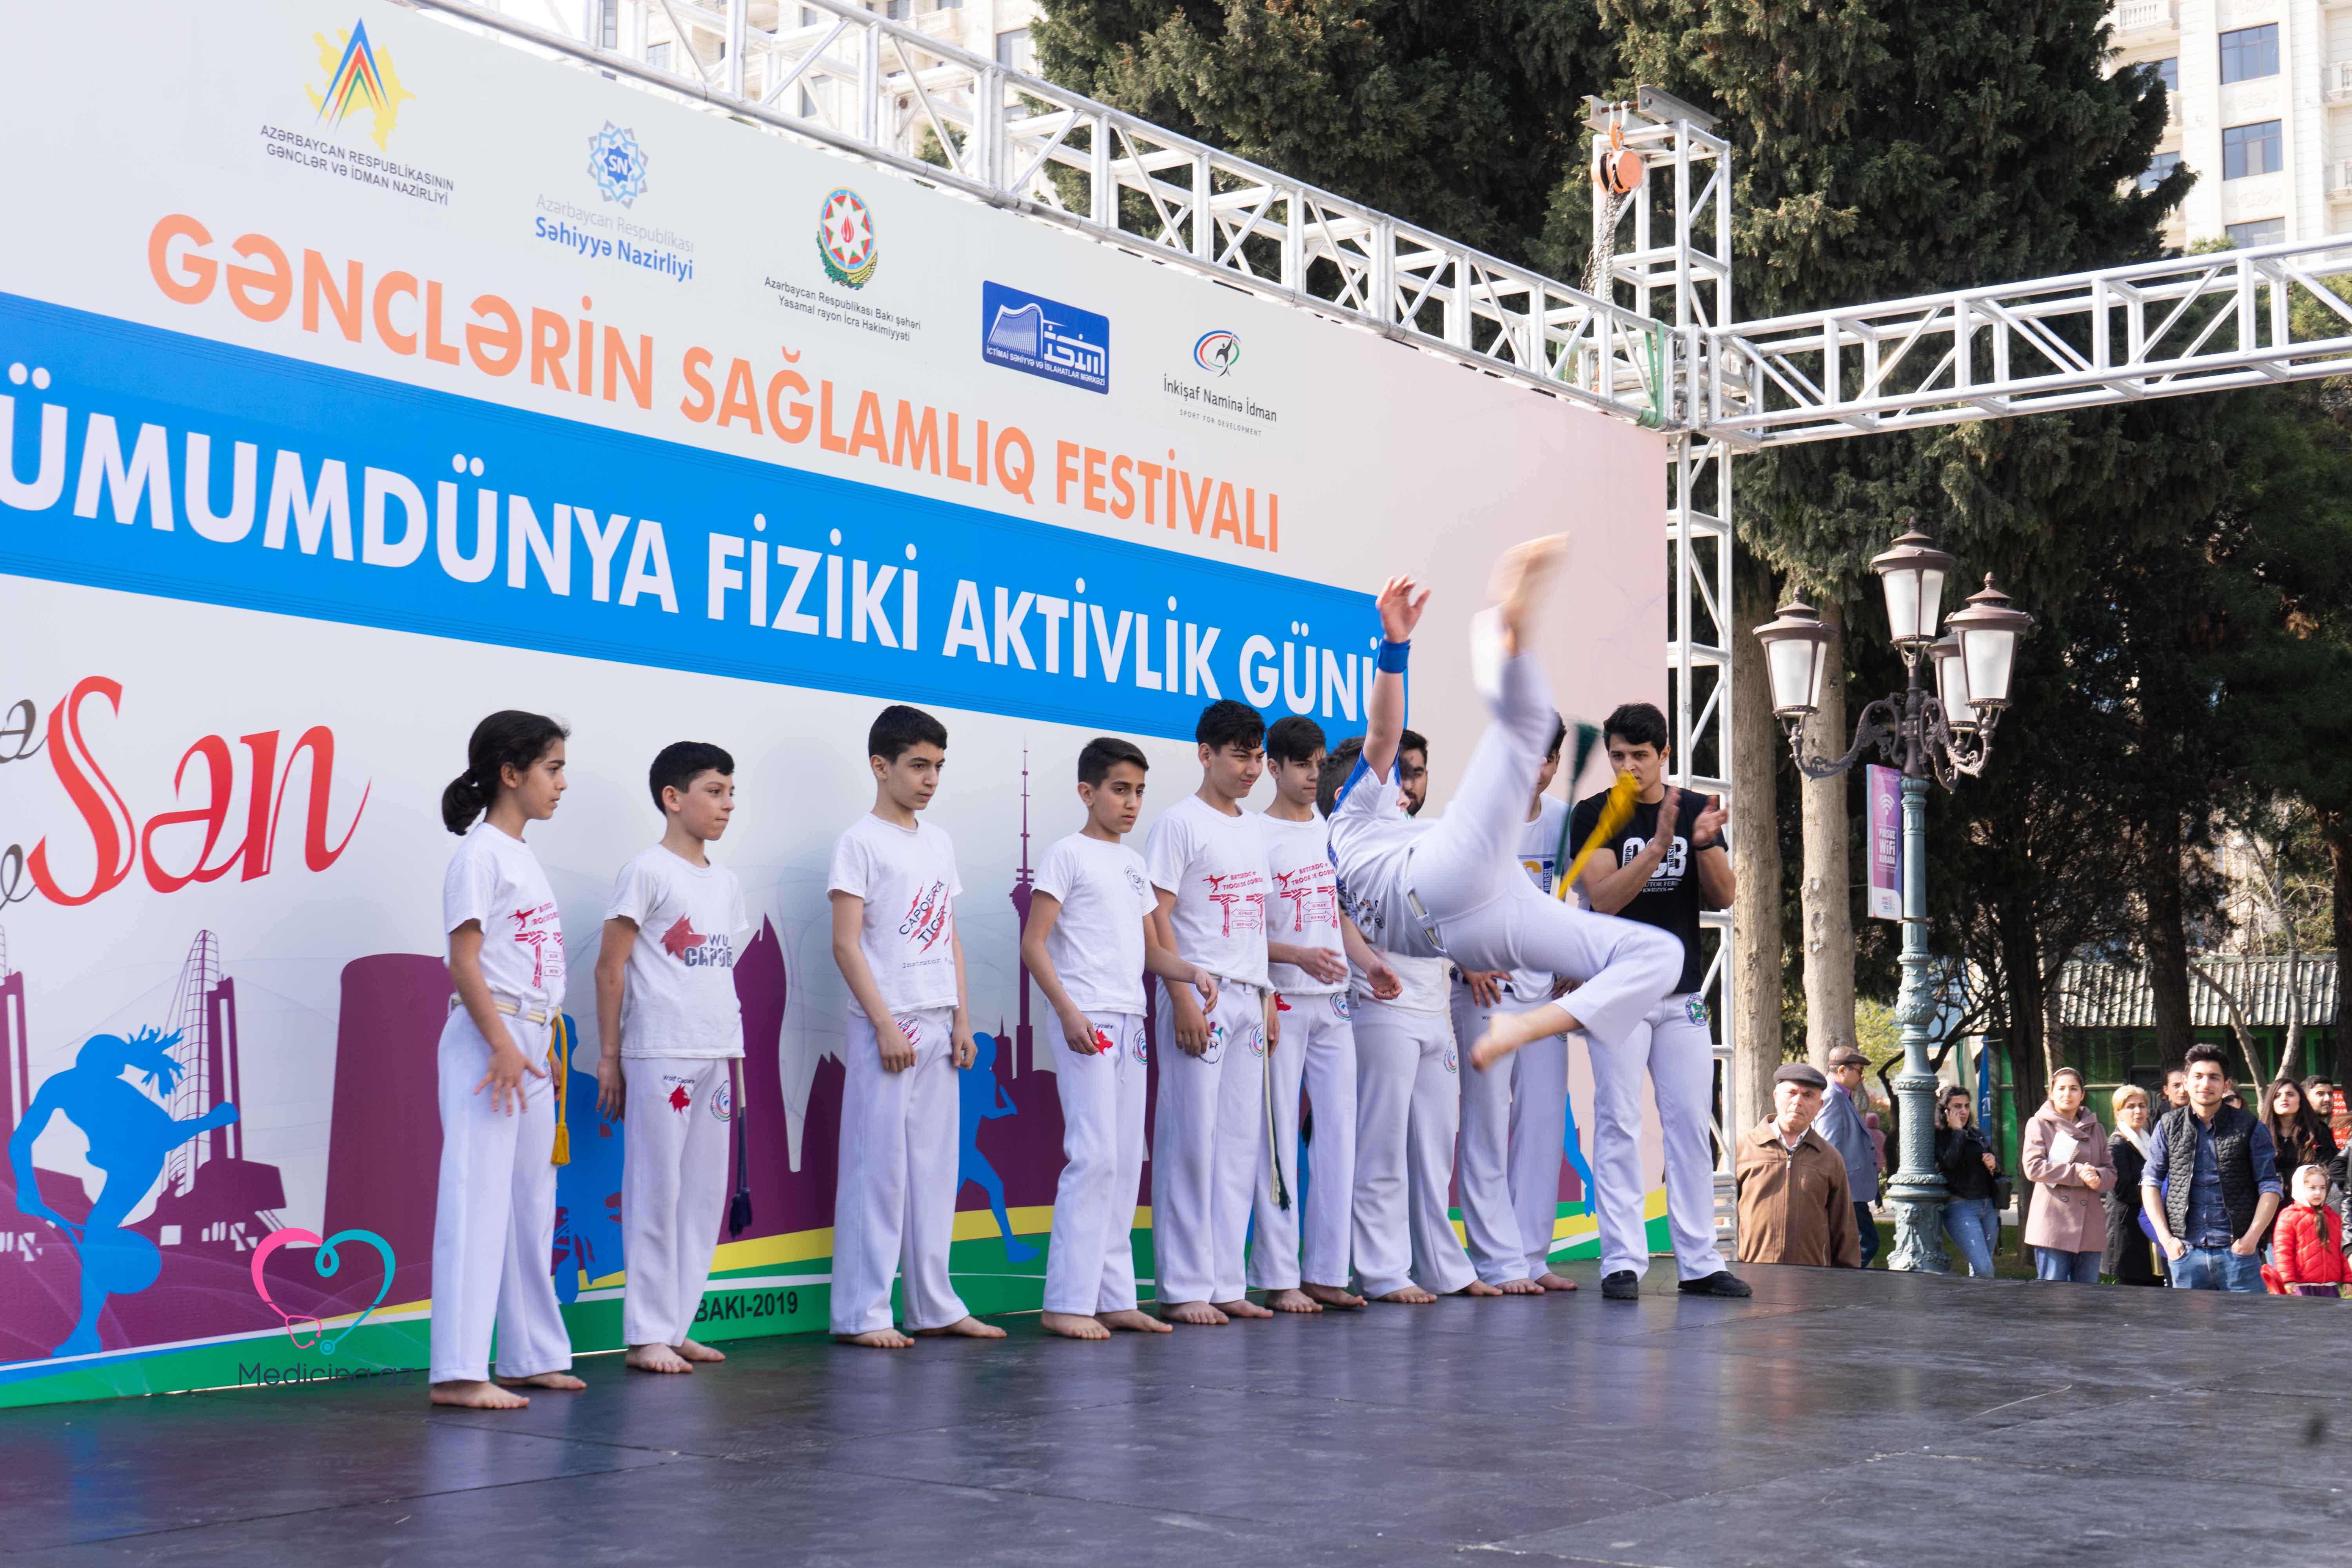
x=1457 y=891
x=494 y=1218
x=1087 y=943
x=894 y=885
x=673 y=1035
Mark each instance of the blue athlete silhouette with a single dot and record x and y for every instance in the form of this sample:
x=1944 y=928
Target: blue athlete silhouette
x=588 y=1190
x=129 y=1135
x=981 y=1098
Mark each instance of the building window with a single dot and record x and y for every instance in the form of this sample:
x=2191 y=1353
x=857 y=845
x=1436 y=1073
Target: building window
x=949 y=6
x=2250 y=52
x=2256 y=149
x=2261 y=231
x=2167 y=71
x=608 y=24
x=1013 y=50
x=657 y=56
x=897 y=10
x=2164 y=163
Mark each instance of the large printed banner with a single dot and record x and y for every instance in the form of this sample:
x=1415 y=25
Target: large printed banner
x=363 y=375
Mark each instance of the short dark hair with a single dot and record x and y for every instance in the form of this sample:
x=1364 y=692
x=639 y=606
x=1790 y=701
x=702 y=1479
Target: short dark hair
x=1227 y=722
x=1559 y=735
x=1412 y=740
x=2204 y=1051
x=1338 y=764
x=680 y=762
x=2317 y=1078
x=1953 y=1090
x=899 y=729
x=1104 y=752
x=1292 y=739
x=1638 y=724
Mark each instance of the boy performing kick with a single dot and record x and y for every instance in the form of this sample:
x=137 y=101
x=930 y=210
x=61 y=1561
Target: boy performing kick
x=1086 y=943
x=894 y=885
x=1456 y=890
x=1208 y=864
x=1667 y=865
x=672 y=1033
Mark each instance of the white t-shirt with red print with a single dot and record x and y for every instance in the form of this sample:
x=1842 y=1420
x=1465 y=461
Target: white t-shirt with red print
x=907 y=878
x=1215 y=865
x=691 y=924
x=497 y=880
x=1303 y=909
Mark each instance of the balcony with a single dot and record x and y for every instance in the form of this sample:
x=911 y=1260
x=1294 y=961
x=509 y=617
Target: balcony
x=2335 y=81
x=2145 y=19
x=2339 y=180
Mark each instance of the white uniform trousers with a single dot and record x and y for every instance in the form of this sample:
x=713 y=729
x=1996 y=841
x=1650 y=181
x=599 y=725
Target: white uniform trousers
x=1091 y=1263
x=1508 y=1239
x=1538 y=1134
x=680 y=1113
x=1408 y=1102
x=1679 y=1051
x=494 y=1218
x=894 y=1203
x=1319 y=1048
x=1208 y=1138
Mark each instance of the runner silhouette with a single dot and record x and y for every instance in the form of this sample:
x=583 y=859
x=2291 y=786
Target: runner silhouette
x=982 y=1099
x=129 y=1135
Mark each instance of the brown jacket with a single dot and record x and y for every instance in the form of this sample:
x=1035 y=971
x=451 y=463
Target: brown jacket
x=1795 y=1206
x=2066 y=1216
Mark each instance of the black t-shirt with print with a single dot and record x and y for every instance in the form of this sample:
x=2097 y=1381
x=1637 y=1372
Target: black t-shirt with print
x=1669 y=900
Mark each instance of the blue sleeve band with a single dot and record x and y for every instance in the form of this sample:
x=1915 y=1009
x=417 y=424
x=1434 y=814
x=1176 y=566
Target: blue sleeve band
x=1393 y=656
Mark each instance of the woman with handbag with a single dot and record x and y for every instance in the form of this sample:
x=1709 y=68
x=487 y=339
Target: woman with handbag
x=2066 y=1157
x=2132 y=1256
x=1972 y=1208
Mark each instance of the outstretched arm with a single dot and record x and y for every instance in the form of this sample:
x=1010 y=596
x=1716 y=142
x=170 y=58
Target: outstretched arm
x=1400 y=605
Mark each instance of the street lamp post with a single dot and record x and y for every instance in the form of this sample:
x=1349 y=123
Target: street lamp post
x=1944 y=734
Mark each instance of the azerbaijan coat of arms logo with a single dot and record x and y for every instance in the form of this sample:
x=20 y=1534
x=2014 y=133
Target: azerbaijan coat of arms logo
x=617 y=163
x=845 y=238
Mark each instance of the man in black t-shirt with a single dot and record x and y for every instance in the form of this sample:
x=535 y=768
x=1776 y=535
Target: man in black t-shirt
x=1664 y=877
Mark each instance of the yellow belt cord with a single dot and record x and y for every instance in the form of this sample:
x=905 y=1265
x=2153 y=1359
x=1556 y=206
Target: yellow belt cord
x=559 y=1062
x=1616 y=810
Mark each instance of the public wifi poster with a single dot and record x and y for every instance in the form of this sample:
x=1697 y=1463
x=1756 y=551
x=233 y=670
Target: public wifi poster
x=363 y=375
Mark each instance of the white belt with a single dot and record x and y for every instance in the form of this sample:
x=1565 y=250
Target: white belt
x=512 y=1009
x=1420 y=915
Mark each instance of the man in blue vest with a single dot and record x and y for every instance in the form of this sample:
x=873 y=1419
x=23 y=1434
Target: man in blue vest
x=2224 y=1189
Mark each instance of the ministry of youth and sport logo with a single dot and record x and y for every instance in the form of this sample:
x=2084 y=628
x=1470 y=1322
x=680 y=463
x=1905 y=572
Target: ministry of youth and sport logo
x=845 y=238
x=1217 y=353
x=617 y=163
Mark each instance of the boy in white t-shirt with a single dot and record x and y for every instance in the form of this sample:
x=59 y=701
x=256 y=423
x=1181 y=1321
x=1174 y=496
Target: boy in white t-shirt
x=1307 y=967
x=894 y=885
x=1207 y=861
x=672 y=1033
x=1086 y=943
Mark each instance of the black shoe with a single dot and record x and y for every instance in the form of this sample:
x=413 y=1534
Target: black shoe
x=1722 y=1282
x=1623 y=1286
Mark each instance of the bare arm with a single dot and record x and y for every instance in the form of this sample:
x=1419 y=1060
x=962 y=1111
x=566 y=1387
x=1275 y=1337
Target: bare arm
x=1610 y=887
x=1319 y=962
x=1191 y=1024
x=1385 y=984
x=1077 y=1029
x=848 y=925
x=1163 y=963
x=1384 y=711
x=1717 y=884
x=612 y=990
x=508 y=1064
x=965 y=1049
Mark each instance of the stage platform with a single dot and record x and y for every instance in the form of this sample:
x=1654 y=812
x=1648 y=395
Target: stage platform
x=1835 y=1419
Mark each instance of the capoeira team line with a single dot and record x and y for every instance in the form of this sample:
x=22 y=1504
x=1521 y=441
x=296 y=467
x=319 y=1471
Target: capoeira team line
x=1334 y=943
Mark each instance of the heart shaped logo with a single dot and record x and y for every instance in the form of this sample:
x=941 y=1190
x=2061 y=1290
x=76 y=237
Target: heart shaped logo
x=326 y=1262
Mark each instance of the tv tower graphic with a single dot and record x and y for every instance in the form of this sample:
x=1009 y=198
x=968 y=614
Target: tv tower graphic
x=16 y=1049
x=214 y=1200
x=1023 y=884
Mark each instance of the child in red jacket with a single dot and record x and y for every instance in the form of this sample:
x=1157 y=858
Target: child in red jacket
x=2307 y=1247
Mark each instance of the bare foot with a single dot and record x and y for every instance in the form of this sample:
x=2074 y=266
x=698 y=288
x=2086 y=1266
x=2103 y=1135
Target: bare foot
x=1520 y=578
x=1477 y=1288
x=1555 y=1282
x=1200 y=1314
x=1133 y=1321
x=1292 y=1301
x=968 y=1327
x=1242 y=1308
x=1506 y=1032
x=876 y=1339
x=693 y=1351
x=1409 y=1296
x=655 y=1358
x=1333 y=1295
x=476 y=1396
x=1072 y=1326
x=562 y=1380
x=1521 y=1288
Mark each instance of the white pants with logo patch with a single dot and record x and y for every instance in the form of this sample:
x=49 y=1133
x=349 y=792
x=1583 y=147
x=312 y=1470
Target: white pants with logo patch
x=1208 y=1138
x=1506 y=1162
x=494 y=1218
x=680 y=1115
x=1090 y=1262
x=1317 y=1048
x=894 y=1202
x=1679 y=1052
x=1408 y=1103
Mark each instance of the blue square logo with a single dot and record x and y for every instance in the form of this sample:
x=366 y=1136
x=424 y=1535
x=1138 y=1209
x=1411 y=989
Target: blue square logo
x=1045 y=337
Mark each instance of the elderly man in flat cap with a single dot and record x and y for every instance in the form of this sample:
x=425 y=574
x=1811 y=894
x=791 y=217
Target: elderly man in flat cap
x=1842 y=1127
x=1795 y=1206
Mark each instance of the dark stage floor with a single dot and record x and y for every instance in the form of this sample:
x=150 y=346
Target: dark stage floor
x=1836 y=1418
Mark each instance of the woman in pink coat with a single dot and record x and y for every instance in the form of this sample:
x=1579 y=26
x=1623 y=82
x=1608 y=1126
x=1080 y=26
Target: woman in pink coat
x=2067 y=1161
